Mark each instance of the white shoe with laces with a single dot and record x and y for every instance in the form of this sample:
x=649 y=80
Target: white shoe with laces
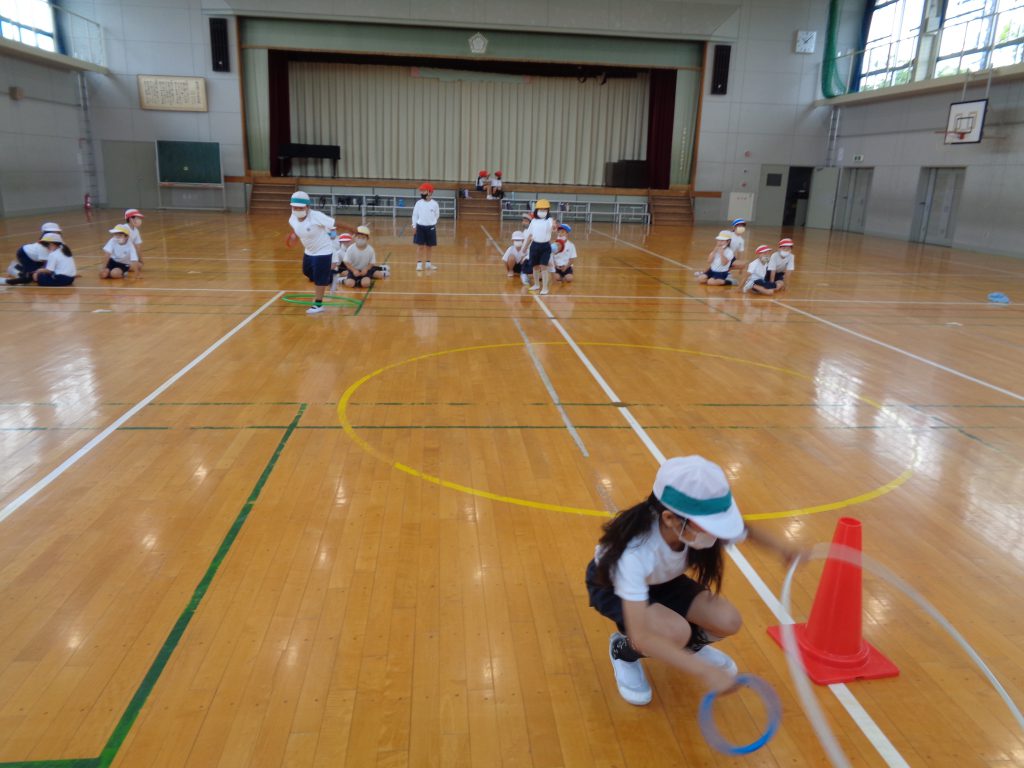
x=717 y=658
x=629 y=675
x=316 y=309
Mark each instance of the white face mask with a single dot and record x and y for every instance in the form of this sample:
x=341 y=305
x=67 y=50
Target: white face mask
x=542 y=214
x=785 y=251
x=740 y=230
x=300 y=213
x=702 y=540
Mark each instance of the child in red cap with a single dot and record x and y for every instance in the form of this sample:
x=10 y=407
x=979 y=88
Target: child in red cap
x=781 y=262
x=424 y=220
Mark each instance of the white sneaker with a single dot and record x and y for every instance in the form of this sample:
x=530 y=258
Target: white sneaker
x=431 y=266
x=717 y=658
x=535 y=287
x=747 y=286
x=419 y=266
x=698 y=273
x=544 y=292
x=629 y=677
x=315 y=310
x=510 y=274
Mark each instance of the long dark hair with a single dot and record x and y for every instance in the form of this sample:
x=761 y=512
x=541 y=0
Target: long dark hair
x=705 y=564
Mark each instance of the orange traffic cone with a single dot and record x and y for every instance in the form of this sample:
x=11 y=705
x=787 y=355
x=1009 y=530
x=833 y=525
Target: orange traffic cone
x=830 y=642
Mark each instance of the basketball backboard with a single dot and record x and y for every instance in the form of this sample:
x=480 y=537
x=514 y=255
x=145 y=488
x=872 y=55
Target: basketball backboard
x=966 y=121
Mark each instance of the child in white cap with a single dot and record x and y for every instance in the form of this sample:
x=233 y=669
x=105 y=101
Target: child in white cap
x=657 y=572
x=121 y=254
x=59 y=268
x=514 y=255
x=781 y=263
x=317 y=233
x=360 y=269
x=719 y=261
x=31 y=257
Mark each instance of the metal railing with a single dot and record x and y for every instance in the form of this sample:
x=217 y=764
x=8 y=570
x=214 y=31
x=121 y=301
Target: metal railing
x=612 y=211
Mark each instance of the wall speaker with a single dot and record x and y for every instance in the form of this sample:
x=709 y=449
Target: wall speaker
x=720 y=69
x=219 y=45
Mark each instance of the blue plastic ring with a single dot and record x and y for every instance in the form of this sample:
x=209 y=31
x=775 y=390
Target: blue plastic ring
x=706 y=719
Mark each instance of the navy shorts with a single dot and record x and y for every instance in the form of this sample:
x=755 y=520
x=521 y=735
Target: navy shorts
x=677 y=594
x=765 y=284
x=317 y=268
x=540 y=254
x=112 y=264
x=525 y=267
x=425 y=235
x=27 y=263
x=370 y=273
x=564 y=271
x=50 y=279
x=780 y=276
x=712 y=275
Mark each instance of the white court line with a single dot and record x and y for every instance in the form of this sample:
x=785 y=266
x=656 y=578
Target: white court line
x=867 y=725
x=134 y=291
x=28 y=495
x=904 y=352
x=641 y=248
x=551 y=390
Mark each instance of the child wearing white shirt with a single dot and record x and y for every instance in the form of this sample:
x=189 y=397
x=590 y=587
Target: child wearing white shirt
x=563 y=255
x=360 y=269
x=758 y=271
x=538 y=244
x=133 y=218
x=317 y=232
x=425 y=214
x=719 y=261
x=737 y=243
x=121 y=254
x=58 y=269
x=781 y=262
x=514 y=255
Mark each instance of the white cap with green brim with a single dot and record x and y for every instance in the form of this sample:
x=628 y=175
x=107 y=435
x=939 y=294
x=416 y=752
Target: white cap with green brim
x=697 y=489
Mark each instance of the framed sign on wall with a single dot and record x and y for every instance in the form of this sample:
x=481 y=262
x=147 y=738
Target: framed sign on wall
x=174 y=94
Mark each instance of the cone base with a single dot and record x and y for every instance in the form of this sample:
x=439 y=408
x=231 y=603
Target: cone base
x=870 y=664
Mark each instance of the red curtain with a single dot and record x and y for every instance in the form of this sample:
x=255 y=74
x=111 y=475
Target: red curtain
x=662 y=108
x=280 y=110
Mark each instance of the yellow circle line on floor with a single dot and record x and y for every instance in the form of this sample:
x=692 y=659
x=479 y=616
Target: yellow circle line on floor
x=351 y=432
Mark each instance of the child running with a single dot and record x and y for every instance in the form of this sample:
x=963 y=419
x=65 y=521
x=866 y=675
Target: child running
x=657 y=572
x=317 y=233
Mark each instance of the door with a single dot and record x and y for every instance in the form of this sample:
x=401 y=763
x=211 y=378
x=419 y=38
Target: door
x=798 y=192
x=129 y=168
x=852 y=199
x=939 y=197
x=771 y=198
x=822 y=202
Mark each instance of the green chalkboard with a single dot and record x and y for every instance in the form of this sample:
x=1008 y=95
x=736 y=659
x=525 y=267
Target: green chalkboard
x=189 y=162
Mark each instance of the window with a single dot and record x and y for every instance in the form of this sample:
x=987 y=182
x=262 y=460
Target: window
x=979 y=34
x=890 y=50
x=29 y=22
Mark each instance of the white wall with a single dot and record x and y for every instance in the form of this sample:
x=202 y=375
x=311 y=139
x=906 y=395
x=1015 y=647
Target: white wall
x=39 y=163
x=897 y=138
x=768 y=115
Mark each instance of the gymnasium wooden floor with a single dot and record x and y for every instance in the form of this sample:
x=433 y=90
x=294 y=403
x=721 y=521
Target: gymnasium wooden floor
x=359 y=538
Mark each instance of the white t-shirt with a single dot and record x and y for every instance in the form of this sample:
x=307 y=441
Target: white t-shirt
x=540 y=230
x=756 y=270
x=781 y=262
x=61 y=264
x=514 y=254
x=36 y=251
x=648 y=560
x=496 y=183
x=360 y=259
x=565 y=255
x=134 y=238
x=722 y=260
x=123 y=254
x=737 y=244
x=313 y=232
x=426 y=212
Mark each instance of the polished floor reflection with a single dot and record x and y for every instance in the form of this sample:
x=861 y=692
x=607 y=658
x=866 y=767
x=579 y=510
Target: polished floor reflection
x=237 y=535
